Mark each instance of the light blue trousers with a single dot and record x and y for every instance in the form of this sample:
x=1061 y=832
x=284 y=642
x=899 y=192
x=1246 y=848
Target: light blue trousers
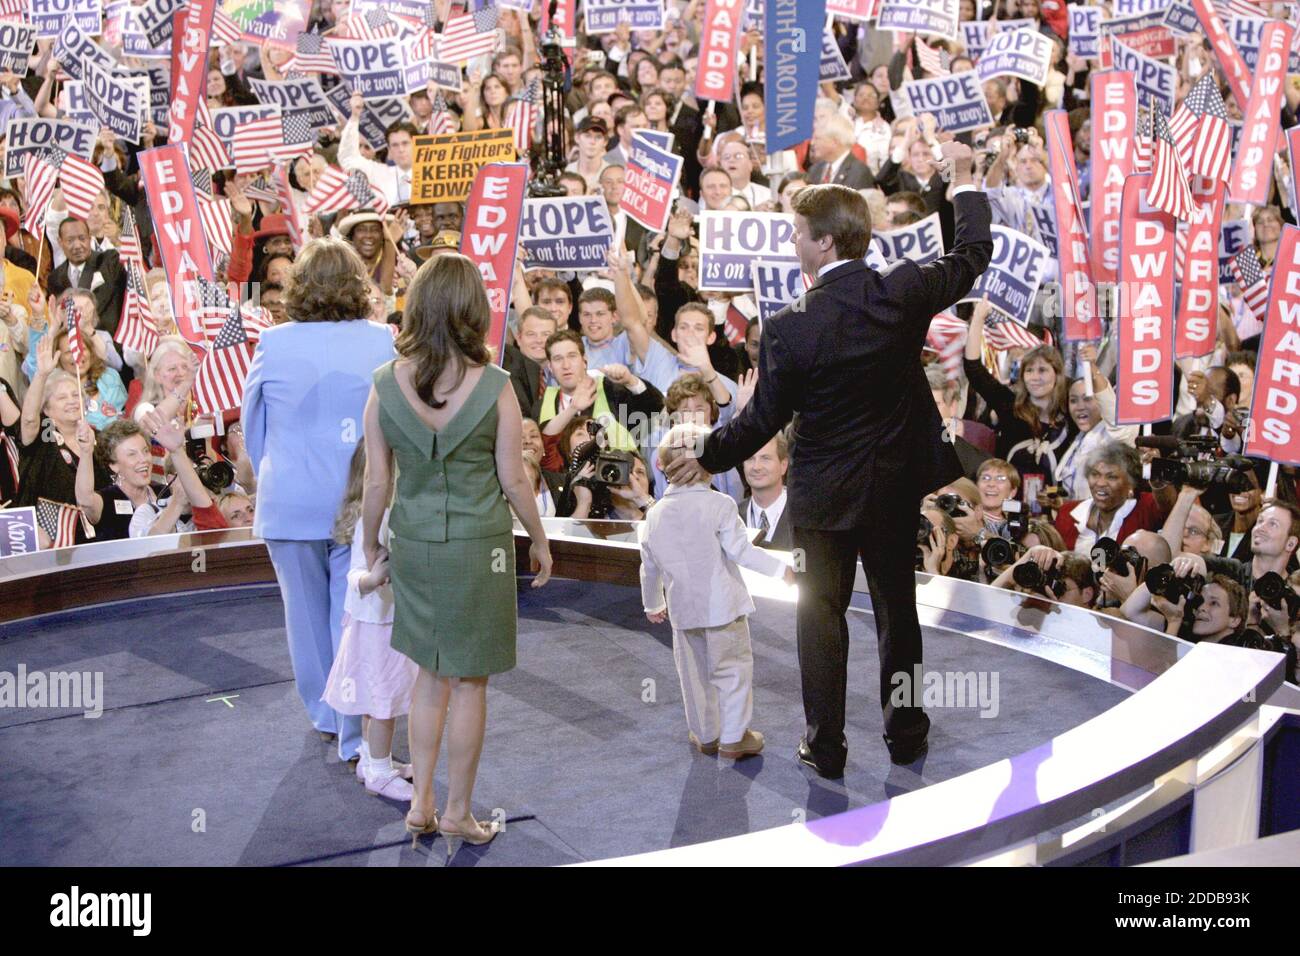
x=313 y=578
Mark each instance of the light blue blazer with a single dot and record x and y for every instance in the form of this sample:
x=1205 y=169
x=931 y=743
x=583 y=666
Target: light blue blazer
x=303 y=405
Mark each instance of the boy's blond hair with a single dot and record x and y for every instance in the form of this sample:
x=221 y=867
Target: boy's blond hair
x=686 y=439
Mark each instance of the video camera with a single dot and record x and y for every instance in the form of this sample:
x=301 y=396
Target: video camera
x=1161 y=580
x=1107 y=555
x=1197 y=460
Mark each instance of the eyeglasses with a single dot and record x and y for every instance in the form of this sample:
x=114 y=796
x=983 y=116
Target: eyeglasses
x=997 y=479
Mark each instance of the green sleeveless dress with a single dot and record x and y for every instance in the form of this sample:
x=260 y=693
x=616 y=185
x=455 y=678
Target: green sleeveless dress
x=451 y=548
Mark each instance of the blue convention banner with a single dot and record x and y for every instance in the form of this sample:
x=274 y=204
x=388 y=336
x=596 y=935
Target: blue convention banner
x=794 y=32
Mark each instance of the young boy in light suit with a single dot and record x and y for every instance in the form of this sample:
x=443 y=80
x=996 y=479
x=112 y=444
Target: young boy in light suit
x=693 y=544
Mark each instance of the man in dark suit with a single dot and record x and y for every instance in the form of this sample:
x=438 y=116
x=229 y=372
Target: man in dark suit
x=100 y=273
x=845 y=357
x=765 y=508
x=832 y=147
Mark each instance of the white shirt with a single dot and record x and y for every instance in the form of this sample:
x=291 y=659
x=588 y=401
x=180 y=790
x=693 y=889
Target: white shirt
x=754 y=518
x=693 y=545
x=1087 y=537
x=394 y=183
x=754 y=194
x=377 y=606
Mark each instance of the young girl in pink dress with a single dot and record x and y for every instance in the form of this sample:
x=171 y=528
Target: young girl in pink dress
x=369 y=677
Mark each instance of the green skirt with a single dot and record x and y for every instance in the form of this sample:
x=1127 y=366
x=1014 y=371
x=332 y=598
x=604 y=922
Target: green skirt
x=455 y=604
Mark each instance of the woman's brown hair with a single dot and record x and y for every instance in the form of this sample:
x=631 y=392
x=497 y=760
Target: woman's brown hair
x=1025 y=409
x=327 y=284
x=446 y=320
x=96 y=367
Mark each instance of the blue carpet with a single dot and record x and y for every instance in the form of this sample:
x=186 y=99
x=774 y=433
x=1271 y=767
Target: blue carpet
x=586 y=754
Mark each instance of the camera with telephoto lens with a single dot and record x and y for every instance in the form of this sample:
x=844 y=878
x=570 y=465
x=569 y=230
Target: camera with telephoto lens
x=1273 y=590
x=1030 y=575
x=216 y=475
x=1199 y=461
x=951 y=505
x=1162 y=581
x=997 y=551
x=1107 y=555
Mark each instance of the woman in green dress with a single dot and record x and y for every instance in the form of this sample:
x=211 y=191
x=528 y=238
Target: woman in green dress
x=449 y=420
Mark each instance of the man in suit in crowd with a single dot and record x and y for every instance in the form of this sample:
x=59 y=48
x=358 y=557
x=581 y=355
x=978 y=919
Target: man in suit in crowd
x=833 y=149
x=845 y=357
x=526 y=359
x=765 y=508
x=100 y=273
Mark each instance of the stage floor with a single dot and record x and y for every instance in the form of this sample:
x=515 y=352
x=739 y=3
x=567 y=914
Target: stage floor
x=586 y=753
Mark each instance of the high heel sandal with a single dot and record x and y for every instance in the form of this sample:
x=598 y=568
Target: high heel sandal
x=482 y=834
x=418 y=831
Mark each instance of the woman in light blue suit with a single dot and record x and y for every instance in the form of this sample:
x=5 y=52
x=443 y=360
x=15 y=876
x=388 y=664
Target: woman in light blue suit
x=303 y=406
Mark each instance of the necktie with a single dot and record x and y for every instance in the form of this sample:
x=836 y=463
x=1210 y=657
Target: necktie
x=541 y=383
x=763 y=526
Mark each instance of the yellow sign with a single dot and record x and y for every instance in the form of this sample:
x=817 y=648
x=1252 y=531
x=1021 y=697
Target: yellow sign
x=445 y=164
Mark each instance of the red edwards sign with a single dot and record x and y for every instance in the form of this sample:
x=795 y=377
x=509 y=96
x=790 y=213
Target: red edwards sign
x=715 y=75
x=1198 y=308
x=491 y=237
x=178 y=231
x=1274 y=431
x=1114 y=119
x=1146 y=308
x=1078 y=293
x=1252 y=175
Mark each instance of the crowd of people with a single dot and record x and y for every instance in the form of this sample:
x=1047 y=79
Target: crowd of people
x=1058 y=500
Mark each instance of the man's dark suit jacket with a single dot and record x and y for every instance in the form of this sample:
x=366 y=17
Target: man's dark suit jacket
x=524 y=377
x=108 y=295
x=846 y=358
x=852 y=173
x=780 y=538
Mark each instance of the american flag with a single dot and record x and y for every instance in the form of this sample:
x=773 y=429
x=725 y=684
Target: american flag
x=72 y=321
x=40 y=172
x=219 y=384
x=218 y=223
x=1254 y=284
x=225 y=31
x=441 y=120
x=1003 y=334
x=137 y=329
x=1228 y=9
x=336 y=191
x=297 y=134
x=469 y=35
x=262 y=190
x=371 y=25
x=933 y=61
x=1142 y=142
x=284 y=194
x=83 y=183
x=1169 y=190
x=59 y=521
x=521 y=115
x=947 y=338
x=254 y=144
x=207 y=151
x=1202 y=131
x=11 y=456
x=312 y=55
x=14 y=9
x=423 y=46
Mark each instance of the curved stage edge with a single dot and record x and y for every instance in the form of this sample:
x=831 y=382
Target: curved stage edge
x=1159 y=774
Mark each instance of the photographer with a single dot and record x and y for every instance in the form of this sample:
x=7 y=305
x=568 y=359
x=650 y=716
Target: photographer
x=1278 y=625
x=1190 y=529
x=1273 y=544
x=190 y=507
x=938 y=550
x=1216 y=392
x=957 y=501
x=1142 y=550
x=1065 y=577
x=1215 y=609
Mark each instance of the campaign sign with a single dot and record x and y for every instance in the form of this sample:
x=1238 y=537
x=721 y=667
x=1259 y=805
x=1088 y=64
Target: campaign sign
x=1024 y=53
x=77 y=110
x=921 y=242
x=1044 y=218
x=119 y=105
x=380 y=114
x=411 y=9
x=1014 y=274
x=1128 y=8
x=957 y=101
x=1146 y=34
x=1155 y=81
x=49 y=17
x=1275 y=404
x=135 y=41
x=975 y=34
x=154 y=18
x=1181 y=19
x=275 y=23
x=16 y=43
x=73 y=49
x=833 y=68
x=857 y=11
x=777 y=283
x=1085 y=29
x=1246 y=33
x=656 y=138
x=374 y=68
x=17 y=532
x=731 y=241
x=29 y=134
x=651 y=176
x=1234 y=235
x=445 y=165
x=303 y=96
x=571 y=233
x=490 y=236
x=604 y=16
x=229 y=118
x=933 y=17
x=420 y=71
x=160 y=91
